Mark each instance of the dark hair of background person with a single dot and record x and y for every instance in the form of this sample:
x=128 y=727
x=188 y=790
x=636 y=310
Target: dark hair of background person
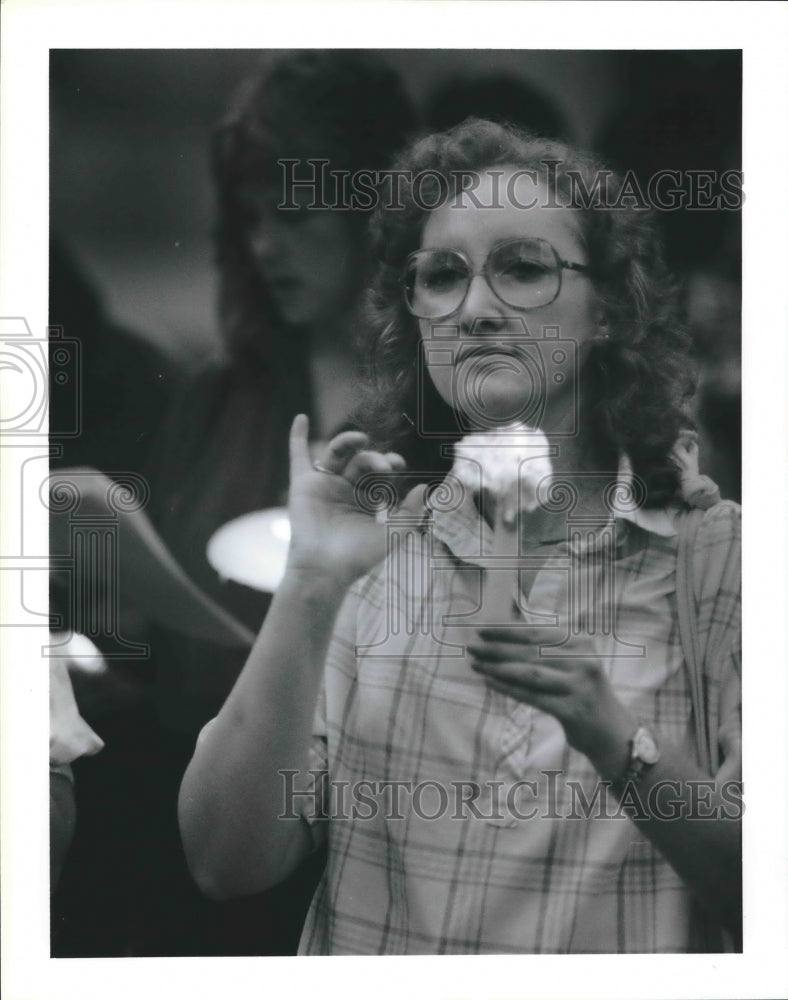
x=224 y=451
x=635 y=383
x=498 y=97
x=345 y=107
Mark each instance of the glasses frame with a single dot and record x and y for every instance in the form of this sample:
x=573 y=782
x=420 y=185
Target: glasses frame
x=562 y=265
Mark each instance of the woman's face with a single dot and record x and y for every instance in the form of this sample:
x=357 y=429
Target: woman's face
x=308 y=258
x=495 y=362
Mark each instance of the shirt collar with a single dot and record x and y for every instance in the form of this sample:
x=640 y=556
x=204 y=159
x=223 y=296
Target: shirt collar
x=456 y=521
x=657 y=520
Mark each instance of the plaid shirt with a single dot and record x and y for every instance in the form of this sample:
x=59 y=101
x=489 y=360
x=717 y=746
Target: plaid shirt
x=529 y=864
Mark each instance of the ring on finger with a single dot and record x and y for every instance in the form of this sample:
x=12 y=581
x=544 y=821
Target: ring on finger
x=319 y=467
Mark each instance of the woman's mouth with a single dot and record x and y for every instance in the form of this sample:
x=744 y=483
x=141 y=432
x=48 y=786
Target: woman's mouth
x=490 y=350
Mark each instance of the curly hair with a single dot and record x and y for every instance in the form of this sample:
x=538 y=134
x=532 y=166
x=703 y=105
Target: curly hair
x=343 y=106
x=635 y=382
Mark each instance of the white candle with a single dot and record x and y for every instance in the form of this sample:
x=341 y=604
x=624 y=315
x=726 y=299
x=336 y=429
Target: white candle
x=495 y=461
x=508 y=465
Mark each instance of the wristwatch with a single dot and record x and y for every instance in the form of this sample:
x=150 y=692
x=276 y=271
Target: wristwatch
x=643 y=754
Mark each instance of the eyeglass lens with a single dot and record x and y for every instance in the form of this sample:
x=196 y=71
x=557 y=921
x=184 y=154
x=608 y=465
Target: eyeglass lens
x=523 y=273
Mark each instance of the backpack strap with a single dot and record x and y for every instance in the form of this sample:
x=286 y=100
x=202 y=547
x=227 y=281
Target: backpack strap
x=687 y=612
x=699 y=493
x=708 y=936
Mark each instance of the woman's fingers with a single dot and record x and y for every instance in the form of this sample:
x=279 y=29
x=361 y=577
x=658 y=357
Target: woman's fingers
x=496 y=652
x=549 y=703
x=527 y=676
x=525 y=635
x=365 y=462
x=338 y=452
x=397 y=462
x=342 y=449
x=347 y=455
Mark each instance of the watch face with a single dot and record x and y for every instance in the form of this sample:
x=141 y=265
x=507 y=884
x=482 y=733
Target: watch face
x=644 y=747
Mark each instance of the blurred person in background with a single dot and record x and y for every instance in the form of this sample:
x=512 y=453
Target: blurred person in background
x=289 y=289
x=290 y=317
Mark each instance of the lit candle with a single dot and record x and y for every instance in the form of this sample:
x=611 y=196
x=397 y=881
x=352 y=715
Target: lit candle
x=508 y=466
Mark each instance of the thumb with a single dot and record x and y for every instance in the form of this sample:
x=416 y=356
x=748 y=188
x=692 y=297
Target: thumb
x=415 y=503
x=300 y=460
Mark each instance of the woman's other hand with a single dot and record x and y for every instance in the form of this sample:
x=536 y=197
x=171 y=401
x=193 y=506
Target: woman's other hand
x=570 y=684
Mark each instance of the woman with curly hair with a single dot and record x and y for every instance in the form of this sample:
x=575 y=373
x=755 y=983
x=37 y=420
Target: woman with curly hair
x=636 y=372
x=482 y=701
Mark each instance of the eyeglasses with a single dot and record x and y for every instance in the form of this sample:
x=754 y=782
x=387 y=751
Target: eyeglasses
x=524 y=273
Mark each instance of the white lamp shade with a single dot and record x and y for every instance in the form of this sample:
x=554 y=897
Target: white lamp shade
x=252 y=549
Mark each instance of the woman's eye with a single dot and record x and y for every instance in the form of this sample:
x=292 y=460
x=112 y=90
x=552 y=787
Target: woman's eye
x=441 y=277
x=523 y=271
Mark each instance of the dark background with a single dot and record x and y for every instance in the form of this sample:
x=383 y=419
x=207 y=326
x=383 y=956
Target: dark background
x=130 y=181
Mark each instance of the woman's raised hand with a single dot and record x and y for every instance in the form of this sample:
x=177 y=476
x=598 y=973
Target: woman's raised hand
x=331 y=533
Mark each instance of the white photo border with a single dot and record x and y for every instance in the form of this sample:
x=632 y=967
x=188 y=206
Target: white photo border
x=31 y=29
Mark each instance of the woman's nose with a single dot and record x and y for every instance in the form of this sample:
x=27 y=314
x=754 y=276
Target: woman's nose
x=482 y=311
